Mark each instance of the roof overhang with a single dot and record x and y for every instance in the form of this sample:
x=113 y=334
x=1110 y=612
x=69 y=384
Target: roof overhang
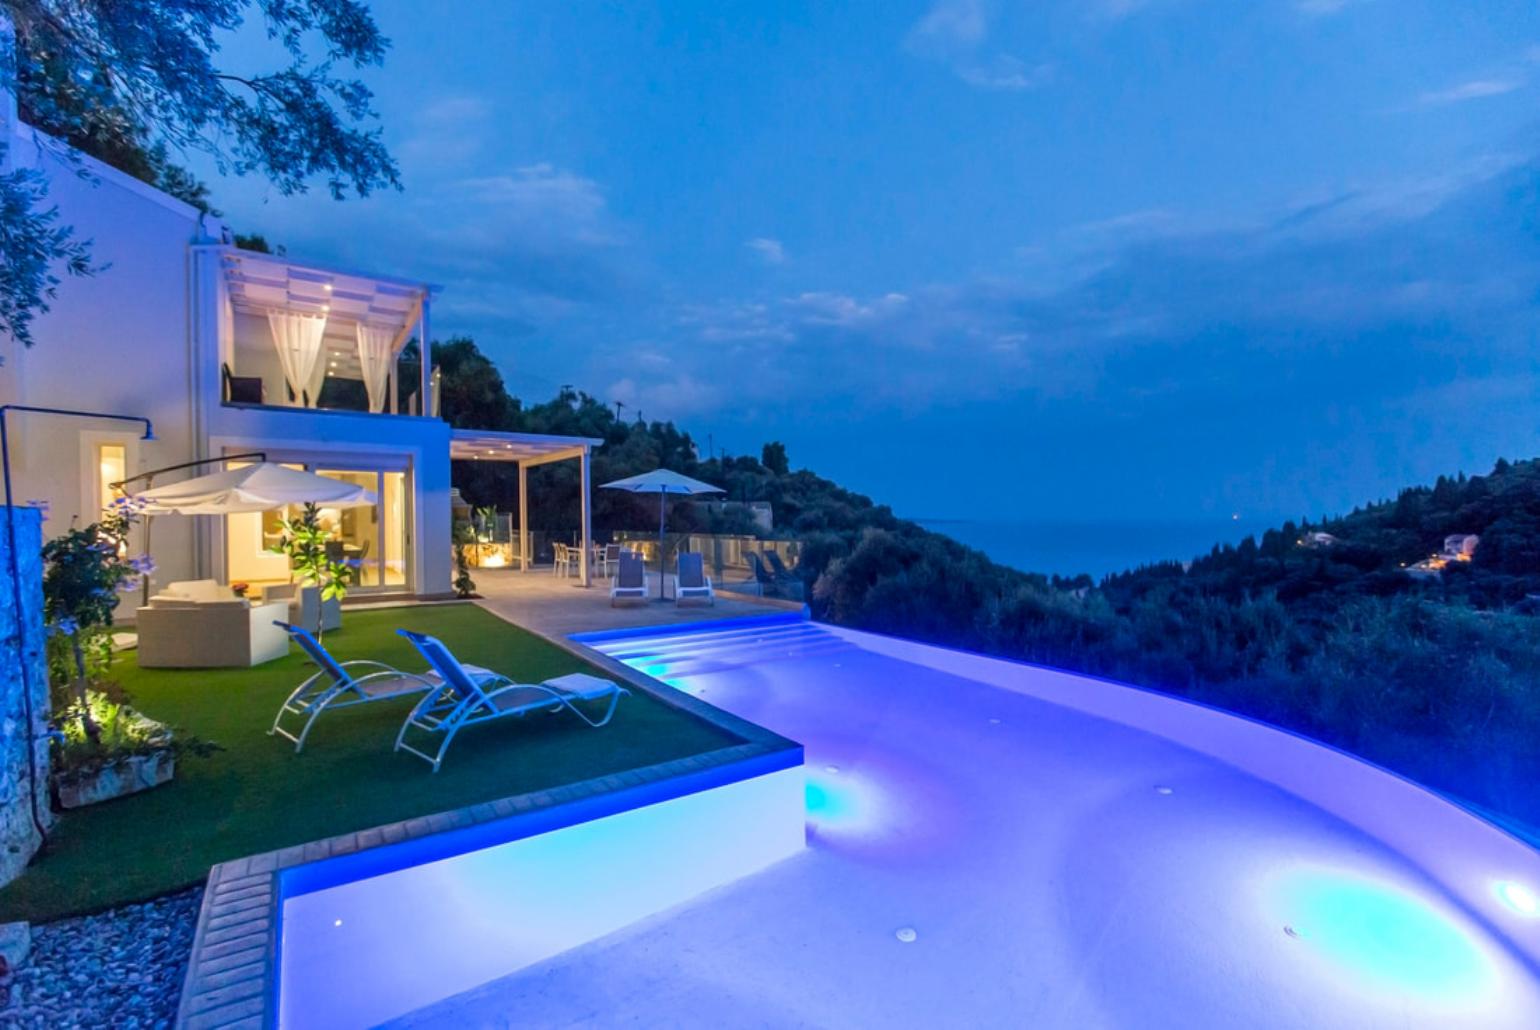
x=524 y=448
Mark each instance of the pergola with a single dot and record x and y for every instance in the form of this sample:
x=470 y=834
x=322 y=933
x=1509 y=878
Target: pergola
x=529 y=450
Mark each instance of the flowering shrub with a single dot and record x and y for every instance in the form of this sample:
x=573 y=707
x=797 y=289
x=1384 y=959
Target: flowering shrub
x=85 y=570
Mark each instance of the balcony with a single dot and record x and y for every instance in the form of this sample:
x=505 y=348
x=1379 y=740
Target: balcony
x=295 y=335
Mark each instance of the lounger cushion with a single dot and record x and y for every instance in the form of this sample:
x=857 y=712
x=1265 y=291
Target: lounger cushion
x=582 y=686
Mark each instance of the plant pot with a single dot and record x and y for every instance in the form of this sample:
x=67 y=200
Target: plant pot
x=310 y=613
x=116 y=779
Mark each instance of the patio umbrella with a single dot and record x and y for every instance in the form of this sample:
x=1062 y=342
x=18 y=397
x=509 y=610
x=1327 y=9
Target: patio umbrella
x=260 y=487
x=663 y=483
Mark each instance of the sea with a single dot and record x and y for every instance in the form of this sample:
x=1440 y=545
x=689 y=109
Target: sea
x=1068 y=548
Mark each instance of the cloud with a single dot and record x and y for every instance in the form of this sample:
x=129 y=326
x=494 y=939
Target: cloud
x=1323 y=7
x=949 y=26
x=956 y=33
x=1475 y=89
x=446 y=131
x=770 y=251
x=1006 y=73
x=1366 y=295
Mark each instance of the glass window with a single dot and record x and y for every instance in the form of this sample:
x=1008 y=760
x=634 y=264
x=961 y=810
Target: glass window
x=111 y=468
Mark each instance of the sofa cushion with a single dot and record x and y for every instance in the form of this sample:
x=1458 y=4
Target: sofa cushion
x=199 y=590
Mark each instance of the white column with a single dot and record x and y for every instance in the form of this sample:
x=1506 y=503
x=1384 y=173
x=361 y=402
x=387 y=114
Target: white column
x=394 y=361
x=523 y=517
x=425 y=344
x=588 y=528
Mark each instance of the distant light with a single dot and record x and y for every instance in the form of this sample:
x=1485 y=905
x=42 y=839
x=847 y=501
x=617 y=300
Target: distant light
x=994 y=722
x=1519 y=898
x=906 y=934
x=337 y=923
x=1163 y=790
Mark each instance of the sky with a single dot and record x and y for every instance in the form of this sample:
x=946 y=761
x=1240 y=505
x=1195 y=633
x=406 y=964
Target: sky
x=1008 y=259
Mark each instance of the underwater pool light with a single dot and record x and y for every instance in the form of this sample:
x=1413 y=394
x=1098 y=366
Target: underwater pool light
x=906 y=934
x=1519 y=898
x=831 y=768
x=1162 y=789
x=1380 y=933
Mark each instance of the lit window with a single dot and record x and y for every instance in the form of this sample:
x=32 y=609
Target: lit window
x=112 y=468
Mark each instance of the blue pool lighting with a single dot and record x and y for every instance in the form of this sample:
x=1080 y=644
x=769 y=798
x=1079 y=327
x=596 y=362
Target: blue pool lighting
x=1519 y=898
x=1380 y=933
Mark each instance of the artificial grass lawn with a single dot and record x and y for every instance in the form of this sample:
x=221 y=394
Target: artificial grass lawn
x=258 y=795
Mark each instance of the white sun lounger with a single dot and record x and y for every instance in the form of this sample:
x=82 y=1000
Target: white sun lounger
x=466 y=698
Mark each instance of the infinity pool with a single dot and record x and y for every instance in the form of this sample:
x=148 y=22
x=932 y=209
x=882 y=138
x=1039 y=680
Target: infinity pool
x=997 y=845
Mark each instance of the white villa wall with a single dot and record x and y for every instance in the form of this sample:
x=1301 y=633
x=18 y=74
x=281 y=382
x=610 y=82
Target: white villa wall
x=115 y=342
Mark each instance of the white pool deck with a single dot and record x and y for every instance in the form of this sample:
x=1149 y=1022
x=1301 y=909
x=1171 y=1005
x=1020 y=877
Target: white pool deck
x=1057 y=870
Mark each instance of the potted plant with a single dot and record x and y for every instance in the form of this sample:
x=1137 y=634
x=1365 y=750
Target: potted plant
x=464 y=534
x=130 y=752
x=323 y=580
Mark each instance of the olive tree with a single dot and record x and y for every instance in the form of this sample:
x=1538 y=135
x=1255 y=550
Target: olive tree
x=125 y=71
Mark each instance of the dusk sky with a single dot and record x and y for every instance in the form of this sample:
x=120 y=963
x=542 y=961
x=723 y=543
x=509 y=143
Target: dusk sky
x=1103 y=259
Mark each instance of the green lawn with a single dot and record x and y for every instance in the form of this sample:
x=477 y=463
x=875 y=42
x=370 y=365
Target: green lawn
x=258 y=795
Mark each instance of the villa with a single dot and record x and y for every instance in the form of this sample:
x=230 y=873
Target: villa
x=187 y=348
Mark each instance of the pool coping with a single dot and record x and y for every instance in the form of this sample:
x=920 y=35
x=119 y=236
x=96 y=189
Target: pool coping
x=232 y=971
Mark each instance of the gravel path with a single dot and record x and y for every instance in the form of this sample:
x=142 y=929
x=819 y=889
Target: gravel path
x=121 y=968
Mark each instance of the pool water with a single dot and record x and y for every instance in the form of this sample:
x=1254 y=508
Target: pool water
x=992 y=844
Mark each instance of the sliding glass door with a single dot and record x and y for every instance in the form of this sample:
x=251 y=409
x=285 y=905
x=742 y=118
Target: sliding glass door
x=374 y=540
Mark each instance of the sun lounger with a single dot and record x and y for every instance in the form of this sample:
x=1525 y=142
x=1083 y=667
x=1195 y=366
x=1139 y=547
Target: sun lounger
x=690 y=580
x=630 y=582
x=338 y=685
x=466 y=698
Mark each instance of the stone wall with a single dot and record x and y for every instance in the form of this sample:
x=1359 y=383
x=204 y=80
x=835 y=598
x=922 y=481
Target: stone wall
x=22 y=661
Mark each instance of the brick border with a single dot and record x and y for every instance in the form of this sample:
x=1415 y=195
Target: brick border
x=232 y=972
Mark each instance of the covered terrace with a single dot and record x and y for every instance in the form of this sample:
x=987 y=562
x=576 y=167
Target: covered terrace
x=529 y=450
x=288 y=327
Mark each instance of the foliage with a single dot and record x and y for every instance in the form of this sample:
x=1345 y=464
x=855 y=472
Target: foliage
x=257 y=243
x=33 y=244
x=464 y=540
x=122 y=733
x=773 y=457
x=84 y=570
x=304 y=542
x=135 y=79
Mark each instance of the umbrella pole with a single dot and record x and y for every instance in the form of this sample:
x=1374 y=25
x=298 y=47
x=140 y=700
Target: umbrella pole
x=662 y=509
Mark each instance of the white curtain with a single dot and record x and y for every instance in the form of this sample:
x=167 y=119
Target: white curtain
x=300 y=351
x=374 y=356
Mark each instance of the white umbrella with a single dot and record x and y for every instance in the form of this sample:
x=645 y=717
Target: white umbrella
x=260 y=487
x=663 y=483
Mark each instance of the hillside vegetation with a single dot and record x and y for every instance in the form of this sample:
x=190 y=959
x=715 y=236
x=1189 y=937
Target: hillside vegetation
x=1436 y=677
